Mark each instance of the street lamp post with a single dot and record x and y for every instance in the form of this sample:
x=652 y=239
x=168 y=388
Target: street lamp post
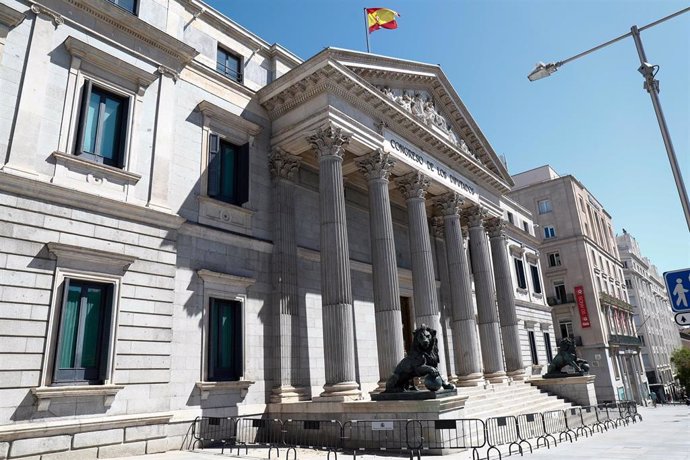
x=648 y=71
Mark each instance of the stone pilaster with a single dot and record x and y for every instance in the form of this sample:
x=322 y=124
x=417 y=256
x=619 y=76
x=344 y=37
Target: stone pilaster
x=505 y=297
x=487 y=314
x=376 y=168
x=164 y=142
x=465 y=340
x=285 y=315
x=413 y=186
x=336 y=286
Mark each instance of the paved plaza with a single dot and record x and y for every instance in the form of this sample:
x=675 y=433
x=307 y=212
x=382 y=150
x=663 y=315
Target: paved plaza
x=664 y=434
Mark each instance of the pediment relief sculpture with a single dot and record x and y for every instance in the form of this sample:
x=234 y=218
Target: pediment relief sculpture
x=421 y=105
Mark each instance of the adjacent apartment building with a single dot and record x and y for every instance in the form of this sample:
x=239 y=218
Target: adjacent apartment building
x=653 y=316
x=584 y=280
x=196 y=222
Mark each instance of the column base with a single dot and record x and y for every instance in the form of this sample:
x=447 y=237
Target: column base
x=518 y=374
x=343 y=391
x=496 y=377
x=288 y=394
x=471 y=380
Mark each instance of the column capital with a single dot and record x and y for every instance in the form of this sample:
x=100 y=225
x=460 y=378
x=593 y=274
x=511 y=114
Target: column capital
x=449 y=204
x=413 y=185
x=376 y=165
x=476 y=215
x=438 y=226
x=496 y=227
x=283 y=165
x=329 y=141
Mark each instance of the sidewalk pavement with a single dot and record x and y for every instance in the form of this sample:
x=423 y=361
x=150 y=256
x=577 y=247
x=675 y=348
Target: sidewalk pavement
x=664 y=434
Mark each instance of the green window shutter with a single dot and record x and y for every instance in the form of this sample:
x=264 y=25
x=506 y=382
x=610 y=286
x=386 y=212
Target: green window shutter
x=84 y=120
x=228 y=173
x=69 y=326
x=213 y=165
x=243 y=174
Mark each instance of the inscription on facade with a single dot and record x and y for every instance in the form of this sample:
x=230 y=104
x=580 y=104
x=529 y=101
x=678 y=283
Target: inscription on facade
x=430 y=166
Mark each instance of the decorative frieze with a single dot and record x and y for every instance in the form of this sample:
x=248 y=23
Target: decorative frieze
x=413 y=185
x=377 y=165
x=329 y=141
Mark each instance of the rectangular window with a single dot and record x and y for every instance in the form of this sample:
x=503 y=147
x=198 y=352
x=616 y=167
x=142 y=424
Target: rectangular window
x=566 y=329
x=511 y=219
x=525 y=226
x=129 y=5
x=549 y=232
x=625 y=264
x=628 y=284
x=102 y=125
x=229 y=65
x=559 y=290
x=536 y=282
x=225 y=340
x=84 y=332
x=520 y=272
x=554 y=259
x=533 y=347
x=547 y=344
x=228 y=171
x=544 y=206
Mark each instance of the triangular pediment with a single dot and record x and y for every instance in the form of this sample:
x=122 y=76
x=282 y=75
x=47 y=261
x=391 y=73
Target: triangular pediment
x=425 y=92
x=411 y=98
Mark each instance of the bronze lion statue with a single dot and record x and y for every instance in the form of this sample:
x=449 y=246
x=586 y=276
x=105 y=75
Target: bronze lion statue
x=566 y=357
x=421 y=361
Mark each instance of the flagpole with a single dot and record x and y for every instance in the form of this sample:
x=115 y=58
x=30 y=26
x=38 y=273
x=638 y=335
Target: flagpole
x=366 y=29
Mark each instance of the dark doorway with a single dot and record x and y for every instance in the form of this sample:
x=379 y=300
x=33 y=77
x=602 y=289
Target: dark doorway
x=407 y=322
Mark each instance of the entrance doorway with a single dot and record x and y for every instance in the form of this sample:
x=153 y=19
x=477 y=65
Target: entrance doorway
x=407 y=322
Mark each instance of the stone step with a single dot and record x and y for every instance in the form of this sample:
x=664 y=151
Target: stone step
x=522 y=402
x=516 y=410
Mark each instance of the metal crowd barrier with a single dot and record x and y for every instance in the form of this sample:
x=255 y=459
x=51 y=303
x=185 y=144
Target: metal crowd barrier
x=360 y=436
x=502 y=431
x=439 y=435
x=531 y=426
x=313 y=434
x=589 y=419
x=554 y=422
x=604 y=417
x=213 y=432
x=573 y=418
x=628 y=410
x=258 y=432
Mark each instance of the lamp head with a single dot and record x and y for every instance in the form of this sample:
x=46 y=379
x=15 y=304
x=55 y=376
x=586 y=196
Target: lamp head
x=542 y=70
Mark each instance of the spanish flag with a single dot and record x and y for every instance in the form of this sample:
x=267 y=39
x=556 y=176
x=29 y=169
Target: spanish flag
x=381 y=17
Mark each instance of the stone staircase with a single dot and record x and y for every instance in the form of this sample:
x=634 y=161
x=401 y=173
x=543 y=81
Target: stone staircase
x=504 y=399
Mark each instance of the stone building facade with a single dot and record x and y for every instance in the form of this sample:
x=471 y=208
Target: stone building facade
x=653 y=316
x=584 y=280
x=196 y=222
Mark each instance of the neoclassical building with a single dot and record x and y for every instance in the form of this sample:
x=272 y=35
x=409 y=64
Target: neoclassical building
x=196 y=222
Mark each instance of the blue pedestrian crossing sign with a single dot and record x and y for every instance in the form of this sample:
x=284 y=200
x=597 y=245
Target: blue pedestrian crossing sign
x=678 y=285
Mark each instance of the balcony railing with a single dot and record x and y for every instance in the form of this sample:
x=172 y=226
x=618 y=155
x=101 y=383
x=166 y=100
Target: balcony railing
x=615 y=339
x=569 y=298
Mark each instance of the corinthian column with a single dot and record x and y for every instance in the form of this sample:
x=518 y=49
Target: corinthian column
x=413 y=186
x=487 y=315
x=336 y=287
x=444 y=303
x=465 y=340
x=285 y=315
x=376 y=168
x=506 y=299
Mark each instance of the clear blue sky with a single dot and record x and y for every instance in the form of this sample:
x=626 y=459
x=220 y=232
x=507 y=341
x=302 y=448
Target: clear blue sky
x=591 y=119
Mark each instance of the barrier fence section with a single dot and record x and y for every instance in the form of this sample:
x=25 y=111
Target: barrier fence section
x=554 y=423
x=573 y=418
x=502 y=431
x=604 y=417
x=589 y=419
x=531 y=426
x=258 y=432
x=360 y=436
x=312 y=434
x=213 y=432
x=439 y=435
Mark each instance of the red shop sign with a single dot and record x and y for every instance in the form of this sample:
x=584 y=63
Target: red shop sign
x=582 y=306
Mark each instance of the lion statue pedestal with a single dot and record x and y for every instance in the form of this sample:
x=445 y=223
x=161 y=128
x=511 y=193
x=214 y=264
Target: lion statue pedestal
x=421 y=361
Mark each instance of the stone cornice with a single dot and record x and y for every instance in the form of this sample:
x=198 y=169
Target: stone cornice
x=10 y=17
x=225 y=278
x=235 y=121
x=212 y=74
x=128 y=23
x=54 y=193
x=293 y=89
x=68 y=251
